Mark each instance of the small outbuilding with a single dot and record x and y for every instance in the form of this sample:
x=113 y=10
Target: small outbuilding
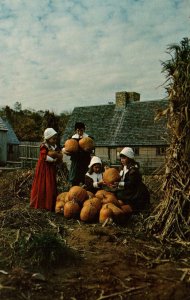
x=3 y=143
x=12 y=143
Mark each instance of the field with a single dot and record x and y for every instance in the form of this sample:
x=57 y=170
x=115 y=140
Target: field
x=45 y=256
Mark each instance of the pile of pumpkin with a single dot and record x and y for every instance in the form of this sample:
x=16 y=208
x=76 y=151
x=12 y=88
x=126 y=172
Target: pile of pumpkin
x=81 y=204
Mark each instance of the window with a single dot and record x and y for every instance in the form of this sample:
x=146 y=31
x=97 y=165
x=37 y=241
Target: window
x=161 y=151
x=10 y=148
x=136 y=151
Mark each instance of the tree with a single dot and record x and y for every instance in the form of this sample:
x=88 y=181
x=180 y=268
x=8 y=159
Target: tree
x=17 y=106
x=171 y=218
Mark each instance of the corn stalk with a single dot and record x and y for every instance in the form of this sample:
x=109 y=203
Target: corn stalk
x=171 y=218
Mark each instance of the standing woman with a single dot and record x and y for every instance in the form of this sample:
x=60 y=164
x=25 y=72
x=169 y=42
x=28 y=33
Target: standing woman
x=44 y=187
x=131 y=190
x=79 y=160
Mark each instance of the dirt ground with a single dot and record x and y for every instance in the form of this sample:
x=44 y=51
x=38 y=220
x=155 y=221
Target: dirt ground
x=107 y=262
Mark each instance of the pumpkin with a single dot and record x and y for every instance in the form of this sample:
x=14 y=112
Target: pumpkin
x=118 y=214
x=71 y=209
x=101 y=194
x=127 y=209
x=90 y=194
x=61 y=197
x=105 y=213
x=55 y=154
x=59 y=207
x=88 y=213
x=109 y=197
x=71 y=146
x=52 y=153
x=97 y=202
x=111 y=175
x=77 y=193
x=86 y=143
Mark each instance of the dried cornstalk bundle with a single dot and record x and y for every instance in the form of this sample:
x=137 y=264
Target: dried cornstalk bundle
x=171 y=218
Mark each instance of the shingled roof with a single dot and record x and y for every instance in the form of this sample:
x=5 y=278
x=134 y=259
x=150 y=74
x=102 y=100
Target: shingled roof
x=11 y=136
x=113 y=125
x=2 y=125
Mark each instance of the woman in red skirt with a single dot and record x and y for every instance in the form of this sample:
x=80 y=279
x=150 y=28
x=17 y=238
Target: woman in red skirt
x=44 y=187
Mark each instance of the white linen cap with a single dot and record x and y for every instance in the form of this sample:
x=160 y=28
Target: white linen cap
x=127 y=151
x=48 y=133
x=95 y=160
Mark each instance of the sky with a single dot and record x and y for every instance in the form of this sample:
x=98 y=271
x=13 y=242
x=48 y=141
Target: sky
x=59 y=54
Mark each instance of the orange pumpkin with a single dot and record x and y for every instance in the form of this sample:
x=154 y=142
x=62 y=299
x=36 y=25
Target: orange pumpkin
x=71 y=145
x=110 y=198
x=105 y=213
x=55 y=154
x=127 y=209
x=97 y=202
x=88 y=213
x=101 y=194
x=118 y=214
x=111 y=175
x=86 y=143
x=59 y=207
x=61 y=196
x=90 y=194
x=77 y=193
x=71 y=209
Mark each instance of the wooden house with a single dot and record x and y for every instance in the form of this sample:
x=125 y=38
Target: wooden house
x=12 y=143
x=3 y=143
x=127 y=122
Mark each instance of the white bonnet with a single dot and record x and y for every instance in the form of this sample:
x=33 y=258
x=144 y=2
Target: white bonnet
x=48 y=133
x=127 y=151
x=95 y=160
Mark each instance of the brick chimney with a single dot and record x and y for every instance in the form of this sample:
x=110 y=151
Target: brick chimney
x=122 y=98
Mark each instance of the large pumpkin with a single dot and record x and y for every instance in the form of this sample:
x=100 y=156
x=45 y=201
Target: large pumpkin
x=55 y=154
x=88 y=213
x=110 y=198
x=78 y=194
x=71 y=145
x=59 y=207
x=71 y=209
x=105 y=213
x=86 y=143
x=101 y=194
x=118 y=213
x=111 y=175
x=61 y=199
x=97 y=202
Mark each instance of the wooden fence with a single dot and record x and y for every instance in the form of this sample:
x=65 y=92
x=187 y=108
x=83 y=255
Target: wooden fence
x=29 y=153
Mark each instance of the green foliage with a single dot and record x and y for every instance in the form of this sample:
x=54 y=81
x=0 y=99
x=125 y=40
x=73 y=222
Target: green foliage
x=29 y=125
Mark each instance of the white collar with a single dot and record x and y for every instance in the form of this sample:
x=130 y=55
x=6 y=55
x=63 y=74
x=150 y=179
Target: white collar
x=77 y=136
x=95 y=176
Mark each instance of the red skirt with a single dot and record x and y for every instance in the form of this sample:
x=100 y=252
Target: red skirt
x=44 y=187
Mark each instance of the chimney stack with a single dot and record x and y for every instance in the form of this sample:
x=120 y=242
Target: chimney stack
x=122 y=98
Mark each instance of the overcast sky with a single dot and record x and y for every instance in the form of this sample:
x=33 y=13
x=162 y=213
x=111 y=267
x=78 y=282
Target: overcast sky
x=59 y=54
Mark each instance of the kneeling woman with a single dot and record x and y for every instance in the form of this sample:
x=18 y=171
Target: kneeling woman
x=131 y=190
x=93 y=178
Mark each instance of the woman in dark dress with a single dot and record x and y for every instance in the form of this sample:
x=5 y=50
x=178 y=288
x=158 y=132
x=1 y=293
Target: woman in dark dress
x=79 y=160
x=131 y=189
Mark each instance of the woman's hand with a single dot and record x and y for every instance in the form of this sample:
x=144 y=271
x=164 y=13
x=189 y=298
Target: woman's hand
x=100 y=183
